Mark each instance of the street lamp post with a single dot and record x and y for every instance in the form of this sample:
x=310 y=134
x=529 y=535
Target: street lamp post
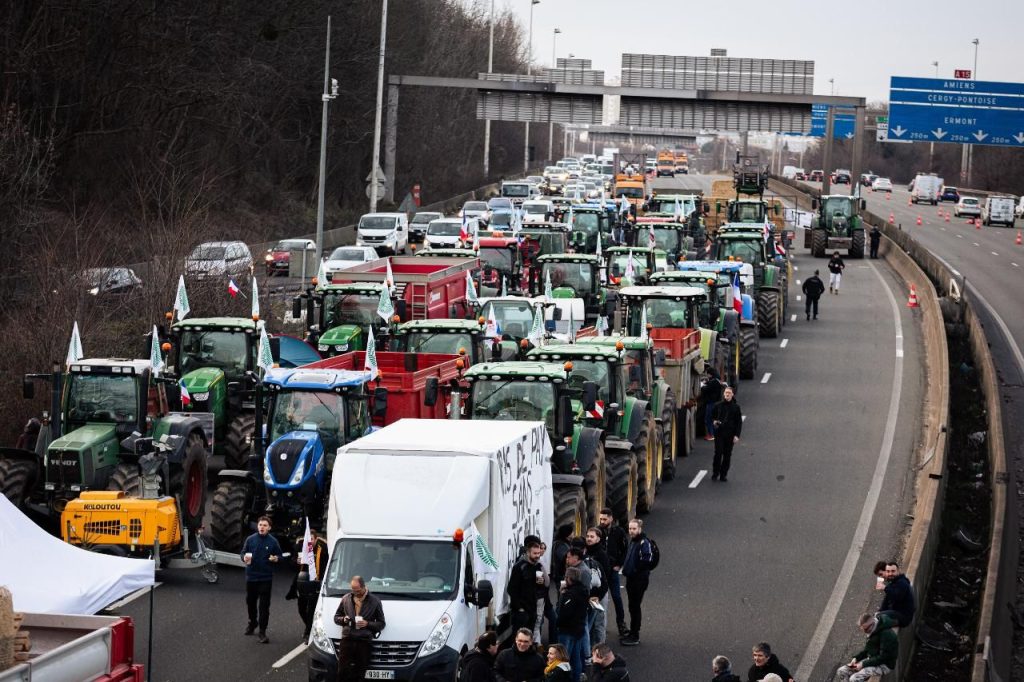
x=931 y=145
x=330 y=92
x=551 y=124
x=832 y=86
x=529 y=70
x=967 y=152
x=487 y=121
x=380 y=100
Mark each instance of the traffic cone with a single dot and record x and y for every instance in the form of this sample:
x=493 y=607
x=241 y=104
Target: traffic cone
x=947 y=216
x=909 y=202
x=912 y=301
x=888 y=195
x=977 y=223
x=919 y=220
x=1018 y=241
x=970 y=221
x=892 y=218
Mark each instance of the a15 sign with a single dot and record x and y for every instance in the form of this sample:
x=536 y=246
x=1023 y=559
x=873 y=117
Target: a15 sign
x=962 y=73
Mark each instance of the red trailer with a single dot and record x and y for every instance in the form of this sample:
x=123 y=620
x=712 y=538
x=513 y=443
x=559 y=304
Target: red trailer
x=432 y=288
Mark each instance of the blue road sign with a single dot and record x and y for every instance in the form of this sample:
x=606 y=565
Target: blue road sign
x=946 y=110
x=842 y=124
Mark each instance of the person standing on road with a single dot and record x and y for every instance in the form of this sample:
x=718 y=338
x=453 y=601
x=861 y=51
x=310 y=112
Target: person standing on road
x=835 y=272
x=607 y=666
x=711 y=395
x=544 y=608
x=259 y=552
x=721 y=668
x=361 y=617
x=573 y=605
x=637 y=570
x=478 y=663
x=616 y=542
x=301 y=590
x=524 y=578
x=898 y=603
x=728 y=421
x=880 y=652
x=521 y=662
x=598 y=594
x=558 y=668
x=765 y=662
x=813 y=288
x=876 y=238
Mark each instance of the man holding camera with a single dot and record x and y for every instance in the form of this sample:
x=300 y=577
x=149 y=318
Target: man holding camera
x=361 y=617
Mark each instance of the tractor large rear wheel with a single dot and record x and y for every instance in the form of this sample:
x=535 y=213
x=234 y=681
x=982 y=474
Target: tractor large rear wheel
x=127 y=478
x=571 y=509
x=238 y=442
x=819 y=243
x=230 y=524
x=17 y=476
x=188 y=481
x=622 y=476
x=857 y=245
x=748 y=351
x=670 y=444
x=768 y=314
x=594 y=485
x=647 y=455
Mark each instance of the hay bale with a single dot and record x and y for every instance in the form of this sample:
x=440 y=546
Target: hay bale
x=8 y=629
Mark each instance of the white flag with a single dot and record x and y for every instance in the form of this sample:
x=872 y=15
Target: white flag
x=536 y=335
x=471 y=290
x=308 y=557
x=602 y=326
x=624 y=205
x=181 y=299
x=598 y=249
x=156 y=359
x=651 y=241
x=75 y=347
x=370 y=361
x=255 y=299
x=321 y=276
x=493 y=329
x=264 y=356
x=385 y=308
x=389 y=276
x=630 y=270
x=548 y=295
x=572 y=327
x=643 y=322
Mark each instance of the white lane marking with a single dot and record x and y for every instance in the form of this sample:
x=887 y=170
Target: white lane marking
x=792 y=318
x=959 y=236
x=785 y=342
x=975 y=243
x=132 y=597
x=743 y=418
x=994 y=253
x=828 y=617
x=798 y=281
x=698 y=478
x=899 y=352
x=943 y=229
x=798 y=297
x=286 y=659
x=766 y=377
x=1014 y=264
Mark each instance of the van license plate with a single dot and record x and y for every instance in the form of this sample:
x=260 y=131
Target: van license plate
x=380 y=674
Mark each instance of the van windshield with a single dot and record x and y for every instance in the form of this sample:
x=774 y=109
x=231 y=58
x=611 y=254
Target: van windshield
x=377 y=222
x=515 y=190
x=395 y=569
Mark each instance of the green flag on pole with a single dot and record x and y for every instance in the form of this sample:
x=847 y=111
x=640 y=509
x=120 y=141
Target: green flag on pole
x=548 y=294
x=181 y=299
x=156 y=359
x=384 y=306
x=370 y=362
x=536 y=335
x=471 y=290
x=75 y=352
x=643 y=322
x=264 y=358
x=255 y=299
x=321 y=276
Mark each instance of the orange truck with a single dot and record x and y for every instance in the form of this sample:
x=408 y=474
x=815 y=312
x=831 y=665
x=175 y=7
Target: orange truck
x=682 y=162
x=666 y=164
x=633 y=187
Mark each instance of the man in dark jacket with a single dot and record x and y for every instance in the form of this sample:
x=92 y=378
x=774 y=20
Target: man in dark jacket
x=880 y=652
x=835 y=272
x=599 y=593
x=523 y=579
x=898 y=603
x=721 y=668
x=616 y=541
x=728 y=420
x=766 y=662
x=305 y=590
x=521 y=663
x=478 y=663
x=573 y=603
x=361 y=617
x=259 y=554
x=876 y=239
x=637 y=570
x=710 y=395
x=813 y=288
x=607 y=666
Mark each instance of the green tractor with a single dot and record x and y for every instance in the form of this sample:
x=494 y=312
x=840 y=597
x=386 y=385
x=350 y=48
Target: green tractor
x=677 y=240
x=587 y=223
x=645 y=261
x=461 y=337
x=634 y=440
x=105 y=414
x=573 y=275
x=339 y=315
x=836 y=225
x=749 y=176
x=760 y=275
x=548 y=392
x=215 y=359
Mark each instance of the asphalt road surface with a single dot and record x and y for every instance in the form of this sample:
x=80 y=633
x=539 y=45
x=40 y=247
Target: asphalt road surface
x=782 y=552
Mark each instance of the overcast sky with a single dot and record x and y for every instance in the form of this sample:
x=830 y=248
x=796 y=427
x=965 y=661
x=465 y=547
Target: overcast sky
x=860 y=45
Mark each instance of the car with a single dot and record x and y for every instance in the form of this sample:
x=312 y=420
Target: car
x=882 y=185
x=968 y=206
x=817 y=175
x=866 y=179
x=278 y=258
x=219 y=259
x=347 y=257
x=474 y=209
x=800 y=175
x=495 y=203
x=418 y=225
x=445 y=232
x=950 y=194
x=841 y=177
x=118 y=280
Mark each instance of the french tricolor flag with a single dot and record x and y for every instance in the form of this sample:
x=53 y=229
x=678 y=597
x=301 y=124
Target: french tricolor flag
x=233 y=288
x=737 y=296
x=186 y=397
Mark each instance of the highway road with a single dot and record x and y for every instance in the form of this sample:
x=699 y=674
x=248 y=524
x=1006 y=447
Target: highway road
x=782 y=552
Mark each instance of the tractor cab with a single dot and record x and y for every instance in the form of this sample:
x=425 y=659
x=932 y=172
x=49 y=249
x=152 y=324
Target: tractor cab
x=678 y=206
x=594 y=364
x=672 y=237
x=660 y=307
x=573 y=275
x=456 y=337
x=717 y=287
x=836 y=225
x=586 y=222
x=346 y=312
x=749 y=176
x=628 y=265
x=501 y=265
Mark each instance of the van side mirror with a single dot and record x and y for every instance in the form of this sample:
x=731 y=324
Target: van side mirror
x=380 y=402
x=430 y=392
x=566 y=420
x=484 y=594
x=28 y=388
x=297 y=307
x=589 y=395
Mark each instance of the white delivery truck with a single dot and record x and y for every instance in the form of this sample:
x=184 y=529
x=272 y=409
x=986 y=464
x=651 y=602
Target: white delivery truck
x=927 y=188
x=432 y=515
x=998 y=211
x=386 y=232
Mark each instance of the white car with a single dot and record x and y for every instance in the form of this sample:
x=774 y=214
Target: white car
x=445 y=232
x=474 y=209
x=347 y=257
x=882 y=185
x=968 y=206
x=219 y=259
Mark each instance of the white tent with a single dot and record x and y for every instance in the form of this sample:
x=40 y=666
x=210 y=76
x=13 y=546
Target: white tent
x=47 y=575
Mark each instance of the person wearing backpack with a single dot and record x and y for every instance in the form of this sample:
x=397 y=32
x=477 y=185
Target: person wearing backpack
x=598 y=558
x=641 y=558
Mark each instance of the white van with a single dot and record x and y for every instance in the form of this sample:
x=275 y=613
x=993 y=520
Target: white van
x=386 y=232
x=518 y=191
x=927 y=188
x=432 y=515
x=998 y=211
x=445 y=232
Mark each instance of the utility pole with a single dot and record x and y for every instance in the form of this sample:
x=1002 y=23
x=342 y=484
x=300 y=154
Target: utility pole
x=487 y=121
x=380 y=105
x=551 y=124
x=529 y=71
x=330 y=92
